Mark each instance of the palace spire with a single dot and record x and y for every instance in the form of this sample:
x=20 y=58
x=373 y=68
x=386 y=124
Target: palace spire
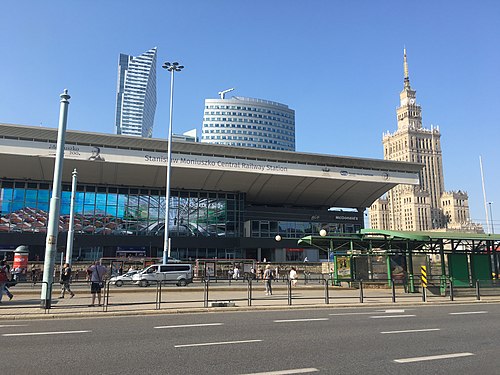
x=405 y=64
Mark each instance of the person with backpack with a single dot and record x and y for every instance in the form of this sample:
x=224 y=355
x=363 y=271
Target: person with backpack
x=4 y=279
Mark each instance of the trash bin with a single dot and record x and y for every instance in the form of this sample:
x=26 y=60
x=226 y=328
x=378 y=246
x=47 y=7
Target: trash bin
x=20 y=265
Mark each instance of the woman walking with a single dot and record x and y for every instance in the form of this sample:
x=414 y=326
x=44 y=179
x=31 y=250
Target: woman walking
x=66 y=280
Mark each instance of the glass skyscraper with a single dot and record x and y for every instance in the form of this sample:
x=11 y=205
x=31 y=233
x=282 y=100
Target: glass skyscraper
x=249 y=122
x=136 y=94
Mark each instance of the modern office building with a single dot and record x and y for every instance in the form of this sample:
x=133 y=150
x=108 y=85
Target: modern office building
x=136 y=94
x=427 y=206
x=248 y=122
x=226 y=202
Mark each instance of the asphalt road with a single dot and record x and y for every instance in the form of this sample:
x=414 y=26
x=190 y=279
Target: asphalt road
x=448 y=339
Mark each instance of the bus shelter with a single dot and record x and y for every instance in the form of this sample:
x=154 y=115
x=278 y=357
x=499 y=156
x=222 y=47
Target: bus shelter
x=387 y=256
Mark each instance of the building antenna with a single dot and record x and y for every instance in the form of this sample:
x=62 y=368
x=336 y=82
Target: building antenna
x=222 y=93
x=484 y=193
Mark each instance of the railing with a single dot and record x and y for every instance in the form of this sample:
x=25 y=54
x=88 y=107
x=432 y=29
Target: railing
x=250 y=292
x=371 y=289
x=27 y=294
x=478 y=288
x=213 y=292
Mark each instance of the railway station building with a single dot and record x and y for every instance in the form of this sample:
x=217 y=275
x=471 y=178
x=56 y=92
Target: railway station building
x=226 y=202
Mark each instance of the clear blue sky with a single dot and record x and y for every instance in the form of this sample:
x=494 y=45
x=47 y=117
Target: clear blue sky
x=338 y=64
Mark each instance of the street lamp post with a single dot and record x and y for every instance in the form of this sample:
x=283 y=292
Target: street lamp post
x=323 y=233
x=55 y=205
x=171 y=67
x=71 y=229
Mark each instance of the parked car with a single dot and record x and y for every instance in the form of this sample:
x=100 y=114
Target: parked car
x=178 y=273
x=119 y=280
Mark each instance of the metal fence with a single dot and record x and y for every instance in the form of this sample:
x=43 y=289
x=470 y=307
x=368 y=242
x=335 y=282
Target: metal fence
x=249 y=292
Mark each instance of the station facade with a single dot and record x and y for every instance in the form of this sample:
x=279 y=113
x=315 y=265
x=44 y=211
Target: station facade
x=226 y=202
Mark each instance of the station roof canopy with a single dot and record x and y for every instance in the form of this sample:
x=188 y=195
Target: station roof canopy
x=266 y=176
x=386 y=241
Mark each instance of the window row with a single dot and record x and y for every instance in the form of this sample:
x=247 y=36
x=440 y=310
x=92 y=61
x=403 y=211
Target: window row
x=256 y=145
x=254 y=109
x=231 y=129
x=129 y=213
x=297 y=229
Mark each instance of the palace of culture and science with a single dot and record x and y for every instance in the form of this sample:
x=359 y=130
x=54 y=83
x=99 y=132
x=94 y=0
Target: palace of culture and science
x=428 y=206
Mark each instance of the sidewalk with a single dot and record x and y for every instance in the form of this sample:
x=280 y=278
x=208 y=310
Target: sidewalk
x=132 y=300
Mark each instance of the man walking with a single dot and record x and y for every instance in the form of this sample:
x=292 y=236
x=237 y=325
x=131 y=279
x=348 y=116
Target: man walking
x=66 y=280
x=4 y=279
x=268 y=277
x=97 y=273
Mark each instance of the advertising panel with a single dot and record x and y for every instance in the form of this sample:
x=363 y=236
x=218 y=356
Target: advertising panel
x=343 y=267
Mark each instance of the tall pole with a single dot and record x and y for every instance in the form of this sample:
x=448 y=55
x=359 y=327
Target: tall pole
x=484 y=192
x=171 y=67
x=55 y=202
x=496 y=256
x=491 y=218
x=71 y=229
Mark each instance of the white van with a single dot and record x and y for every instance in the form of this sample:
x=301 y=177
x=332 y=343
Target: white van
x=178 y=273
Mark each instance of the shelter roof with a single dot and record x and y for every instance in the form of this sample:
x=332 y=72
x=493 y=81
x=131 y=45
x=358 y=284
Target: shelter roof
x=385 y=240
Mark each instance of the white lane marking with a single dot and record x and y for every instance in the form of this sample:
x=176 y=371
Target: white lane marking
x=191 y=325
x=217 y=343
x=392 y=311
x=42 y=333
x=286 y=372
x=354 y=313
x=12 y=325
x=432 y=357
x=300 y=320
x=414 y=330
x=391 y=316
x=468 y=312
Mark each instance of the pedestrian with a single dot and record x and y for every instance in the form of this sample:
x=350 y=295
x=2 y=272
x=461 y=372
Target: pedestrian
x=277 y=273
x=34 y=274
x=268 y=277
x=16 y=274
x=253 y=274
x=66 y=280
x=236 y=273
x=97 y=273
x=260 y=272
x=293 y=276
x=4 y=279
